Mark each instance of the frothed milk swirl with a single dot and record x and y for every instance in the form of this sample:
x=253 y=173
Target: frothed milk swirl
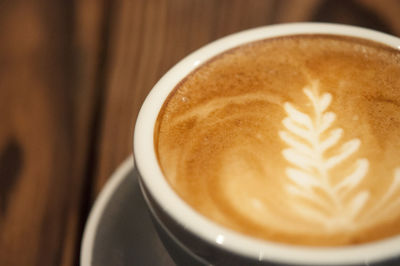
x=293 y=139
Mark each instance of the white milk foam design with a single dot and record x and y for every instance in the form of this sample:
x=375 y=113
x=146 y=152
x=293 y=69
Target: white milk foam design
x=310 y=169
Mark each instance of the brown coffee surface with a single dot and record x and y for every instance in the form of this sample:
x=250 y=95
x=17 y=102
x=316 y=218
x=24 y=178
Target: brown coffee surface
x=292 y=139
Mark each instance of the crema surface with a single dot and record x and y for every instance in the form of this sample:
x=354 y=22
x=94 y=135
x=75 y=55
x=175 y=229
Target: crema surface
x=293 y=139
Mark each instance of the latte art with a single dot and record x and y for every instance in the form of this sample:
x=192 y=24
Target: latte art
x=293 y=139
x=342 y=208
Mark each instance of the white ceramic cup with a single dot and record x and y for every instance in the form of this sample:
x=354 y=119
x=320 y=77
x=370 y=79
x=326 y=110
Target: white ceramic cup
x=160 y=196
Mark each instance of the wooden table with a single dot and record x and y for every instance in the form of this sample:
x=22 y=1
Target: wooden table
x=73 y=75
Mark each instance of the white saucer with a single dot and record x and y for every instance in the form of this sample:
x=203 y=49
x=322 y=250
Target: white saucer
x=119 y=231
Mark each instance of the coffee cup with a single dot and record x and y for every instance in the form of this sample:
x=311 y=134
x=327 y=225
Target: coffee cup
x=277 y=146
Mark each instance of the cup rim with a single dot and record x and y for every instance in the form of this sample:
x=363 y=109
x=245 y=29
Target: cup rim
x=209 y=231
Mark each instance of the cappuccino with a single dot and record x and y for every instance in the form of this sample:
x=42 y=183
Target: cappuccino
x=293 y=139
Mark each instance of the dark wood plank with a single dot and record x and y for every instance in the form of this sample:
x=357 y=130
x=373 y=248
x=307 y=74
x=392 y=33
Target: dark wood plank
x=91 y=21
x=387 y=11
x=49 y=54
x=150 y=36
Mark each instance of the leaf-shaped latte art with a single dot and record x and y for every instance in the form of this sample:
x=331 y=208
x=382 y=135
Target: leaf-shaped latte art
x=308 y=137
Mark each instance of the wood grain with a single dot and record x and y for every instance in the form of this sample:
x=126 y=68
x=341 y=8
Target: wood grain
x=46 y=92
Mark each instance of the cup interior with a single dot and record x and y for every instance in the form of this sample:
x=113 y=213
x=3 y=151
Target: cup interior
x=158 y=187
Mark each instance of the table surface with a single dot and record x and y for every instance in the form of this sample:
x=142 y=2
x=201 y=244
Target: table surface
x=73 y=75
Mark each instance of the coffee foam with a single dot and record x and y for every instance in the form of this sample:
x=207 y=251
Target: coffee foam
x=293 y=139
